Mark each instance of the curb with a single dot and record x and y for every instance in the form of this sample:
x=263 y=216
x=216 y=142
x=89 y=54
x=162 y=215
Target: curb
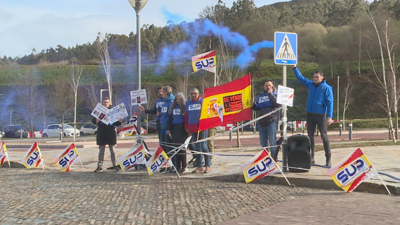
x=310 y=183
x=43 y=146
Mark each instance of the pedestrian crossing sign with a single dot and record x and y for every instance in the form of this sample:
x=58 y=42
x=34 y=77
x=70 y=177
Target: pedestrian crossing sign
x=285 y=48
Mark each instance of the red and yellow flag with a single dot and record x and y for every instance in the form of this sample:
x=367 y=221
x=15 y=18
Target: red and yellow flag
x=352 y=171
x=227 y=103
x=3 y=153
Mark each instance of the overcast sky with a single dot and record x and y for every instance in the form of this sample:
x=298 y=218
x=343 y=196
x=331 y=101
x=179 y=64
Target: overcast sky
x=41 y=24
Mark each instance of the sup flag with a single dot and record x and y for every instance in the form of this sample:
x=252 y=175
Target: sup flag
x=227 y=103
x=129 y=127
x=259 y=166
x=33 y=157
x=132 y=158
x=352 y=171
x=156 y=161
x=67 y=158
x=3 y=154
x=206 y=61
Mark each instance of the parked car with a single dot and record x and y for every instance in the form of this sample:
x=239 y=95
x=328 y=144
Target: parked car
x=88 y=129
x=53 y=130
x=151 y=128
x=15 y=131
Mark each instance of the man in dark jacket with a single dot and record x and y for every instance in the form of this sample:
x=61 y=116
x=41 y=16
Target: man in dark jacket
x=268 y=126
x=106 y=135
x=319 y=104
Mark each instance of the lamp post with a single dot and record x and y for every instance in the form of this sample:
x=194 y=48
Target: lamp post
x=11 y=111
x=138 y=5
x=101 y=95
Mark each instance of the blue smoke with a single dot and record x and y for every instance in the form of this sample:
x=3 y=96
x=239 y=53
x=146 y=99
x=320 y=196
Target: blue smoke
x=172 y=18
x=202 y=28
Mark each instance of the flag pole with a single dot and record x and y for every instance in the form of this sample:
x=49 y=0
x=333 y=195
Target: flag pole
x=8 y=159
x=378 y=174
x=82 y=164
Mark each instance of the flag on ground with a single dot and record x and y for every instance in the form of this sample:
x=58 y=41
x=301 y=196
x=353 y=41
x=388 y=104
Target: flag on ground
x=259 y=166
x=352 y=171
x=134 y=157
x=206 y=61
x=227 y=103
x=129 y=128
x=67 y=158
x=3 y=153
x=33 y=157
x=156 y=161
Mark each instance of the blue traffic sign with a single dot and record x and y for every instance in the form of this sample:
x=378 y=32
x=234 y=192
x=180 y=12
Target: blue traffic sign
x=285 y=48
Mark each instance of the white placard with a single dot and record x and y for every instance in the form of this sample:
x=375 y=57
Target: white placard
x=100 y=112
x=285 y=95
x=139 y=97
x=116 y=113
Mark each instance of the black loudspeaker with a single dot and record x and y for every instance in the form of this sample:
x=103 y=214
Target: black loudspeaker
x=299 y=153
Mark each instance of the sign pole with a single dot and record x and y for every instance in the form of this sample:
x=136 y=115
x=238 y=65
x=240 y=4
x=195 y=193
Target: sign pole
x=284 y=125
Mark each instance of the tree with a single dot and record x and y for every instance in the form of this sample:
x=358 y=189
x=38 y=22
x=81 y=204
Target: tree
x=102 y=49
x=26 y=84
x=75 y=77
x=61 y=97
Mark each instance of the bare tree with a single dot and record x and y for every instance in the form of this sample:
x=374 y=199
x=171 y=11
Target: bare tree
x=91 y=91
x=61 y=98
x=75 y=77
x=347 y=97
x=102 y=48
x=26 y=84
x=381 y=78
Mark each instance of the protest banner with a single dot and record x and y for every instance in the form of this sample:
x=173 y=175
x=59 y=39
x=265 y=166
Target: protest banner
x=285 y=95
x=138 y=97
x=156 y=161
x=3 y=154
x=206 y=61
x=259 y=166
x=116 y=113
x=33 y=157
x=100 y=112
x=351 y=171
x=134 y=157
x=68 y=157
x=227 y=103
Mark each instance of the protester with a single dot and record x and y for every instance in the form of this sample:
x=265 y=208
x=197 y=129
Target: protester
x=154 y=110
x=106 y=135
x=176 y=127
x=319 y=104
x=165 y=139
x=211 y=132
x=268 y=126
x=192 y=117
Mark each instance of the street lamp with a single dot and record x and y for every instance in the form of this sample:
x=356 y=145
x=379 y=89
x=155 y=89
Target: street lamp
x=101 y=95
x=11 y=111
x=138 y=5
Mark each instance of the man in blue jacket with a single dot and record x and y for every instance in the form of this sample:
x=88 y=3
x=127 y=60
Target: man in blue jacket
x=319 y=105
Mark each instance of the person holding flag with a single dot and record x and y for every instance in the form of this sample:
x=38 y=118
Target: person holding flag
x=176 y=127
x=268 y=126
x=106 y=135
x=192 y=117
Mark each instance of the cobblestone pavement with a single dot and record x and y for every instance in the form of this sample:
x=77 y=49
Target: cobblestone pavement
x=51 y=197
x=328 y=207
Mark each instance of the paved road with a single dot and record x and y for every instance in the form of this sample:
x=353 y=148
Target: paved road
x=50 y=197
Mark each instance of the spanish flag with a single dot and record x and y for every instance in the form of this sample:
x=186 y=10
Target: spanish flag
x=227 y=103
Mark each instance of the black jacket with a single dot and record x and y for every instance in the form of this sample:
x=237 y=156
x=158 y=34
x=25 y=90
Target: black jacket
x=106 y=134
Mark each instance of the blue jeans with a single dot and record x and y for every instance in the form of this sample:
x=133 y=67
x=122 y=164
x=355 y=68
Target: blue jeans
x=201 y=147
x=268 y=133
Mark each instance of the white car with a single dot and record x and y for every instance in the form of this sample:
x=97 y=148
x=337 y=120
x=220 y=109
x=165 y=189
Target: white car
x=54 y=130
x=88 y=129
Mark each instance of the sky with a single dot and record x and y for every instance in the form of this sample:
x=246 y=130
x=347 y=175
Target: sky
x=41 y=24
